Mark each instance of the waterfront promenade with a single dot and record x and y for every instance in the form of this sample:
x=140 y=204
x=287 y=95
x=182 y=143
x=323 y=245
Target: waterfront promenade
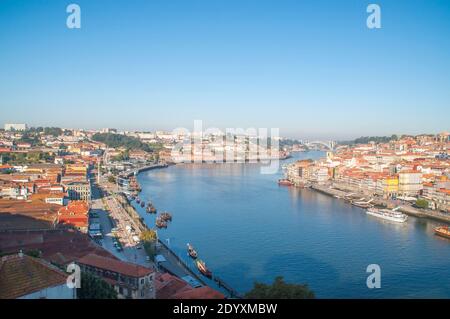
x=404 y=207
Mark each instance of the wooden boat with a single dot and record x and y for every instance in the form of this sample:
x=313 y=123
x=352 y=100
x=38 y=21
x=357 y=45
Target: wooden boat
x=191 y=251
x=166 y=217
x=285 y=182
x=160 y=223
x=201 y=266
x=443 y=231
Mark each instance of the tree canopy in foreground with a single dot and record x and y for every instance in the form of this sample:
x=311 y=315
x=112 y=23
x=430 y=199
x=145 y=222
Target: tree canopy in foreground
x=93 y=287
x=280 y=290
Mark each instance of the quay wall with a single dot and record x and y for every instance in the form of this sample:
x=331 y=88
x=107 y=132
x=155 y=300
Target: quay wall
x=406 y=209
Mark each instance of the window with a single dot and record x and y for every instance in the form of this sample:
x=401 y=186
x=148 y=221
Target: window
x=142 y=281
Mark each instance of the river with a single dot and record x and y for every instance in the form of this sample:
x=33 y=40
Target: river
x=247 y=228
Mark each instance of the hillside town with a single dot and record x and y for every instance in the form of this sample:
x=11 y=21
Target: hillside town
x=60 y=206
x=65 y=199
x=409 y=169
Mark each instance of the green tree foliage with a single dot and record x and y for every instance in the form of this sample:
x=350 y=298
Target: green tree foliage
x=422 y=203
x=27 y=158
x=28 y=138
x=368 y=139
x=118 y=140
x=149 y=235
x=279 y=290
x=34 y=253
x=123 y=156
x=93 y=287
x=149 y=238
x=54 y=131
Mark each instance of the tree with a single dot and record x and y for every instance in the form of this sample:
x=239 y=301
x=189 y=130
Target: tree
x=422 y=203
x=118 y=141
x=279 y=290
x=149 y=235
x=111 y=179
x=34 y=253
x=93 y=287
x=149 y=238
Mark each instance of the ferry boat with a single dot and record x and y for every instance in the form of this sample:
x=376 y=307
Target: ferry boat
x=191 y=251
x=443 y=231
x=285 y=182
x=201 y=266
x=388 y=214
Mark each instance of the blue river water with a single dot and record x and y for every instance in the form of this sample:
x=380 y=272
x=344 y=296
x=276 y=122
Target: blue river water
x=247 y=228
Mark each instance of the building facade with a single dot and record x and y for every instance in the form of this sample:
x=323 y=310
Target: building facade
x=131 y=281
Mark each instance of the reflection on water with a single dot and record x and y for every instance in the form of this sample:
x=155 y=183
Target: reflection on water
x=248 y=228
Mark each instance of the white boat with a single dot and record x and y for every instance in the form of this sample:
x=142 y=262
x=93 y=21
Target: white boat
x=392 y=215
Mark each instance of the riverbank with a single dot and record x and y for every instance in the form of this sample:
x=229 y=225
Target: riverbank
x=343 y=192
x=142 y=169
x=247 y=228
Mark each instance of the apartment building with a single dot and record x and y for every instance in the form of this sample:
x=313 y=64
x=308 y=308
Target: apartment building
x=131 y=281
x=410 y=183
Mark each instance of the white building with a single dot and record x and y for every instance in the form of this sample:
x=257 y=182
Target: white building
x=15 y=127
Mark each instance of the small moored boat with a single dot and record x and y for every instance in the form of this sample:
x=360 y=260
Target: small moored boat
x=191 y=251
x=285 y=182
x=166 y=216
x=160 y=223
x=443 y=231
x=201 y=266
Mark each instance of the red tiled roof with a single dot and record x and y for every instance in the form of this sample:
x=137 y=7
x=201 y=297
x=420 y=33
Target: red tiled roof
x=21 y=275
x=118 y=266
x=204 y=292
x=59 y=246
x=171 y=287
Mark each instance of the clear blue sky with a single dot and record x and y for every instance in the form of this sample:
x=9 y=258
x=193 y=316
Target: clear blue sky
x=311 y=68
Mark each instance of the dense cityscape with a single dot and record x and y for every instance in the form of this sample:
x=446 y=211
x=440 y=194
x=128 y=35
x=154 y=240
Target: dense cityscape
x=238 y=158
x=70 y=196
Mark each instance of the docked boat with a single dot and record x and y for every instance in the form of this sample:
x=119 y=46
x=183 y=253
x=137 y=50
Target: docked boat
x=166 y=216
x=142 y=204
x=201 y=266
x=285 y=182
x=191 y=251
x=362 y=205
x=160 y=223
x=388 y=214
x=138 y=200
x=443 y=231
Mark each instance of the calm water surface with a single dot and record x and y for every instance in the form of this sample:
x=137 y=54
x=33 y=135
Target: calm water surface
x=247 y=228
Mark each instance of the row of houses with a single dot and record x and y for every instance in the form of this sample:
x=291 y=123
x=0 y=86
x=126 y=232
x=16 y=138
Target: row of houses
x=408 y=168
